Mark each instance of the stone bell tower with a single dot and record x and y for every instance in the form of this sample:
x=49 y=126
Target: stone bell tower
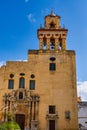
x=57 y=69
x=52 y=36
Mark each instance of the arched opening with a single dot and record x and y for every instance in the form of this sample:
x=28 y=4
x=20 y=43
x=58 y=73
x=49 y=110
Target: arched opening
x=44 y=44
x=52 y=44
x=60 y=44
x=21 y=82
x=52 y=25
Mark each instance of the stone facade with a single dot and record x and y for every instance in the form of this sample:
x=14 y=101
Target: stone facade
x=41 y=92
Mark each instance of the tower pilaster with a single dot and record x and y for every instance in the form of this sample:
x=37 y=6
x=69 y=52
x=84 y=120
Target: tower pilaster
x=41 y=43
x=48 y=43
x=63 y=44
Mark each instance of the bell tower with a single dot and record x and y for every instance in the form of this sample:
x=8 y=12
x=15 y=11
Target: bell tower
x=52 y=37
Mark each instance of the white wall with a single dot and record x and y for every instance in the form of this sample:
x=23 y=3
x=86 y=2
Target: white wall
x=82 y=114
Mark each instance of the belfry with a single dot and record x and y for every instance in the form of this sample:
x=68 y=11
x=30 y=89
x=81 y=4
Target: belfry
x=41 y=92
x=52 y=36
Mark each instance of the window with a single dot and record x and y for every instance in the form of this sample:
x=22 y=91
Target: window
x=52 y=66
x=67 y=114
x=22 y=74
x=52 y=109
x=52 y=58
x=32 y=76
x=11 y=84
x=11 y=75
x=21 y=82
x=20 y=95
x=32 y=84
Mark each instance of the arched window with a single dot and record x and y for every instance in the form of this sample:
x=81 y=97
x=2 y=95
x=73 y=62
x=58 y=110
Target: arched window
x=44 y=43
x=44 y=46
x=32 y=84
x=60 y=44
x=11 y=84
x=52 y=43
x=21 y=82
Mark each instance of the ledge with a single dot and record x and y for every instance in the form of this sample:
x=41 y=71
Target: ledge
x=51 y=51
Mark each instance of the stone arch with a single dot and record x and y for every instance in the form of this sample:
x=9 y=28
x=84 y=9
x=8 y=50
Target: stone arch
x=52 y=43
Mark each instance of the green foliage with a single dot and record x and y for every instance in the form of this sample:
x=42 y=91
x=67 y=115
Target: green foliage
x=10 y=124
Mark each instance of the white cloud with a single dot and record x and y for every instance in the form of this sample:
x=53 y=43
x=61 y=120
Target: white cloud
x=82 y=90
x=31 y=18
x=26 y=1
x=21 y=60
x=2 y=63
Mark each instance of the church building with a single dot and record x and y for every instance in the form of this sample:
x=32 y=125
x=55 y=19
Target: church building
x=41 y=92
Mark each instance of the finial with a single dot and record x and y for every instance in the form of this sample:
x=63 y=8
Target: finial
x=52 y=13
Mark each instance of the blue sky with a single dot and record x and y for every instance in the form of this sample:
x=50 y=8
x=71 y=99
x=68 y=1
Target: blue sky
x=20 y=19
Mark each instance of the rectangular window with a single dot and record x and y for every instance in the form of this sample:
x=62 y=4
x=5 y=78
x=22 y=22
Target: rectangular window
x=67 y=114
x=32 y=84
x=52 y=109
x=11 y=84
x=52 y=66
